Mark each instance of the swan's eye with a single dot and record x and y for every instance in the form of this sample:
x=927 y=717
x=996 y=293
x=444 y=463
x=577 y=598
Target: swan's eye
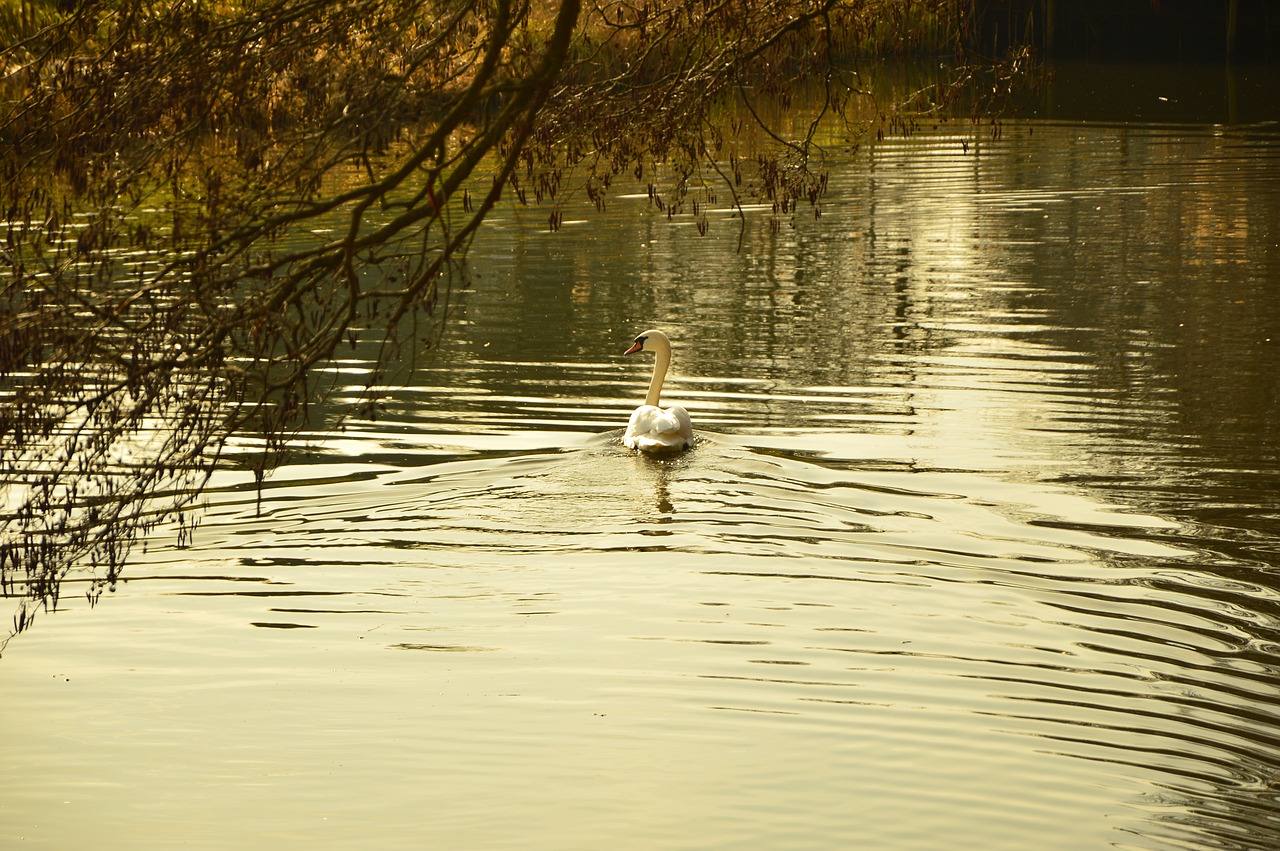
x=641 y=339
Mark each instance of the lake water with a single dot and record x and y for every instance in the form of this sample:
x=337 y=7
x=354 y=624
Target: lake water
x=979 y=547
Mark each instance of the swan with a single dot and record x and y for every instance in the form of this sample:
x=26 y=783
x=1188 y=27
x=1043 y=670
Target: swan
x=653 y=429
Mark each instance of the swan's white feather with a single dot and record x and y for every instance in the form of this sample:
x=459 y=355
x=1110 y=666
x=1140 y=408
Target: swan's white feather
x=653 y=429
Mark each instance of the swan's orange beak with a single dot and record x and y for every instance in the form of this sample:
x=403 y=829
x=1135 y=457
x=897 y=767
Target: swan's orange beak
x=635 y=347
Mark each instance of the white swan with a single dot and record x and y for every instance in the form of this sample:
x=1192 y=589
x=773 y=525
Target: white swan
x=653 y=429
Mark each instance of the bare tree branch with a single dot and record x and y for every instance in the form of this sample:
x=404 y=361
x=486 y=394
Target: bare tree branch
x=161 y=162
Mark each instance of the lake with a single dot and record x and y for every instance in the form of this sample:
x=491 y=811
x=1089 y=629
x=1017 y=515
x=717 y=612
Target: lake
x=979 y=545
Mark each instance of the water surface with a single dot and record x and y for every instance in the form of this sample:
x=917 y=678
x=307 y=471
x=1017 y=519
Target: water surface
x=978 y=548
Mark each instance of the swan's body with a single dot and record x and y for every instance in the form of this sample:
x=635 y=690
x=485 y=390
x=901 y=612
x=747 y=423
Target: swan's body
x=654 y=429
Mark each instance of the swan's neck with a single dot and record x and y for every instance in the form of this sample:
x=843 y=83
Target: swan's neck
x=661 y=360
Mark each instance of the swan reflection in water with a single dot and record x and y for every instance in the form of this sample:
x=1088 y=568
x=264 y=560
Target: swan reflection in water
x=658 y=470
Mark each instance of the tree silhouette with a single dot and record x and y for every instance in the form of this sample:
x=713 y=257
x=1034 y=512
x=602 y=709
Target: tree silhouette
x=163 y=167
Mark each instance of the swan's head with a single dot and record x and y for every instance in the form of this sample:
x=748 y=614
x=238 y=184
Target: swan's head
x=649 y=341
